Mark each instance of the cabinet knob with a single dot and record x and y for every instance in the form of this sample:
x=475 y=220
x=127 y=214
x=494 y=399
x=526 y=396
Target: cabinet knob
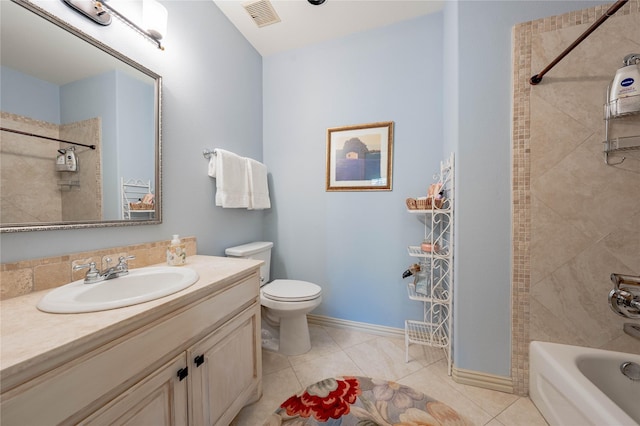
x=199 y=360
x=183 y=373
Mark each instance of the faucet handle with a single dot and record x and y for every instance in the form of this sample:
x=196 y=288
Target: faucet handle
x=91 y=266
x=124 y=259
x=92 y=274
x=627 y=280
x=122 y=262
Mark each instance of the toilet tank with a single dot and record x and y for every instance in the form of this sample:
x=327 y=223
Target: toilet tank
x=260 y=250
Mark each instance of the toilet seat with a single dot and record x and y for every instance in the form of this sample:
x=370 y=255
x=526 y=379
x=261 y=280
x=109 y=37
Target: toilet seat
x=291 y=291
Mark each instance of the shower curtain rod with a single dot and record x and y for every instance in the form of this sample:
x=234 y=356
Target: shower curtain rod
x=4 y=129
x=613 y=9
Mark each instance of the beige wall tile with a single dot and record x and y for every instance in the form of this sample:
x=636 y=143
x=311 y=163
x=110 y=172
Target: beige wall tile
x=15 y=282
x=22 y=277
x=51 y=275
x=580 y=218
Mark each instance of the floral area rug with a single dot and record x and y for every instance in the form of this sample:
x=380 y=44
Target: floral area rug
x=361 y=401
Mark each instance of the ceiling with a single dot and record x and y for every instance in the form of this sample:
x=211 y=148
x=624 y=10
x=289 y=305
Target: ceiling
x=302 y=23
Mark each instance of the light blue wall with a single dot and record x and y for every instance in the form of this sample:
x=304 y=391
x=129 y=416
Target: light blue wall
x=136 y=132
x=29 y=96
x=482 y=134
x=122 y=102
x=212 y=97
x=353 y=244
x=328 y=237
x=97 y=97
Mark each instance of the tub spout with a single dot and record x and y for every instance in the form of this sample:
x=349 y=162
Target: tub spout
x=632 y=330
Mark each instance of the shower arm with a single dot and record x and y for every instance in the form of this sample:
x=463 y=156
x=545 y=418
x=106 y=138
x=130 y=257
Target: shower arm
x=613 y=9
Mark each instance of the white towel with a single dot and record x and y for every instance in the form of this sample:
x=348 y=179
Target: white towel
x=258 y=187
x=212 y=165
x=232 y=186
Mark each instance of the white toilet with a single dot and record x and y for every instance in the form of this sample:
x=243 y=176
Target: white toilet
x=285 y=303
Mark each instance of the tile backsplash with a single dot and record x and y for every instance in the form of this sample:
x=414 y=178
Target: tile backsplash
x=23 y=277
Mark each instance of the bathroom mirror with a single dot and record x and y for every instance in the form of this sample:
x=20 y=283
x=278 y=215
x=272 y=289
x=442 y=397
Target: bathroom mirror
x=80 y=140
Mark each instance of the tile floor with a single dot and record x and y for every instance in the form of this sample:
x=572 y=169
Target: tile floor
x=338 y=351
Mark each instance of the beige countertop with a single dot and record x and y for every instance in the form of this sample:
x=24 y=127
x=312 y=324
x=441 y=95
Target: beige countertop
x=29 y=337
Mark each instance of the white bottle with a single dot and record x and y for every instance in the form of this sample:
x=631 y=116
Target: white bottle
x=176 y=252
x=624 y=95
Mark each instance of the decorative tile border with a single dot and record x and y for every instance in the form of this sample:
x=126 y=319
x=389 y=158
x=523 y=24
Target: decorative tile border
x=23 y=277
x=521 y=207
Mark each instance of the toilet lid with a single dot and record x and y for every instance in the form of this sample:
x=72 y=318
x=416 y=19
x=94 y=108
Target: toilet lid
x=291 y=290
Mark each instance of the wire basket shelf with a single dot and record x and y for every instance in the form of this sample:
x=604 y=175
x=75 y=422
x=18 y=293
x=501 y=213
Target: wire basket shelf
x=426 y=333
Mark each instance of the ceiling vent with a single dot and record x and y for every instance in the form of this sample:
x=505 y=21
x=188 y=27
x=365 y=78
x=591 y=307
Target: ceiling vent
x=262 y=12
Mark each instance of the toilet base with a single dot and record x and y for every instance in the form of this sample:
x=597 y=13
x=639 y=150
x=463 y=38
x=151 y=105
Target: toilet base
x=294 y=335
x=270 y=337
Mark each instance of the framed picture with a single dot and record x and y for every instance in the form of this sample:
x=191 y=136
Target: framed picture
x=359 y=158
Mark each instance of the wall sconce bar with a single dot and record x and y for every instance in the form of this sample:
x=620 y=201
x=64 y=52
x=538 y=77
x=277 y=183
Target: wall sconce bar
x=100 y=12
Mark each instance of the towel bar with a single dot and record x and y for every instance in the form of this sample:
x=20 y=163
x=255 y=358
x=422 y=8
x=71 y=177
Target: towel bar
x=207 y=153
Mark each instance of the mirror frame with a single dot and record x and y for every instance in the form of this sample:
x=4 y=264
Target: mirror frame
x=49 y=226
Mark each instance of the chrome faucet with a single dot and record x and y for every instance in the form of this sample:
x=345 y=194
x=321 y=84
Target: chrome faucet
x=625 y=296
x=624 y=300
x=94 y=275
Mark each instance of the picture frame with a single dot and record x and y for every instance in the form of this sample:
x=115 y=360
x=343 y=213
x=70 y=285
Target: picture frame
x=360 y=157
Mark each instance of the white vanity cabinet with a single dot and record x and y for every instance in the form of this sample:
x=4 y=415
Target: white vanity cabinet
x=160 y=399
x=225 y=371
x=193 y=360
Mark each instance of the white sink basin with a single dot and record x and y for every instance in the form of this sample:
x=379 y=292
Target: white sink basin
x=141 y=285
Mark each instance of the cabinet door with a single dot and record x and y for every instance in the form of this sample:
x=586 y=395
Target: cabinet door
x=226 y=370
x=159 y=399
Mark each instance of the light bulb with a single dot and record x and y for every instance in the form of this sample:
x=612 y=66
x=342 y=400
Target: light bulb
x=154 y=18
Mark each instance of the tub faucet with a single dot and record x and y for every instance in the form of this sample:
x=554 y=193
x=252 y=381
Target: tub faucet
x=624 y=299
x=94 y=275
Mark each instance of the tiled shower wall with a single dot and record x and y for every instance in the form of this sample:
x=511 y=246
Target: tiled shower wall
x=575 y=219
x=29 y=181
x=84 y=203
x=32 y=190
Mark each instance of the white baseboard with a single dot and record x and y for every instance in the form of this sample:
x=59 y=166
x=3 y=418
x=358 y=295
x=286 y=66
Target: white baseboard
x=482 y=380
x=379 y=330
x=459 y=375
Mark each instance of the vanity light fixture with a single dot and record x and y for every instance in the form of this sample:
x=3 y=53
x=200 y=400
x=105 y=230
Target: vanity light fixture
x=154 y=16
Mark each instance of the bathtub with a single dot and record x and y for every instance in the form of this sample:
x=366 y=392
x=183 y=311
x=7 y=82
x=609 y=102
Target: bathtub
x=573 y=385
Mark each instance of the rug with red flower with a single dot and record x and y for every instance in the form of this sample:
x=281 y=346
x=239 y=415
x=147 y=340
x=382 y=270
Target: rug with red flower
x=362 y=401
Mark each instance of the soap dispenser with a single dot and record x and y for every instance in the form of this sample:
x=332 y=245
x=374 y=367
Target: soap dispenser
x=176 y=252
